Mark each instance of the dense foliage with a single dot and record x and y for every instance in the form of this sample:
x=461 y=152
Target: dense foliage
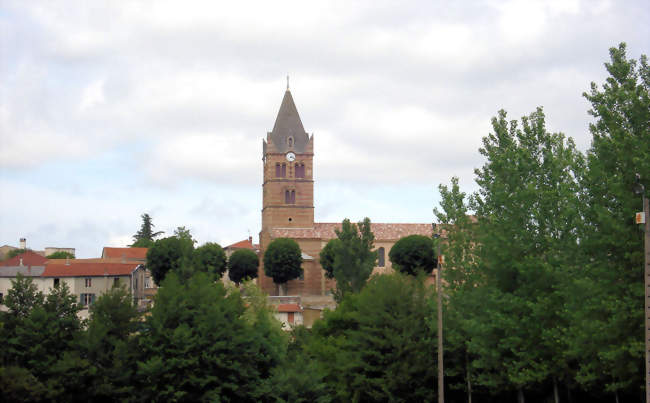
x=349 y=258
x=242 y=265
x=413 y=254
x=210 y=258
x=60 y=255
x=283 y=260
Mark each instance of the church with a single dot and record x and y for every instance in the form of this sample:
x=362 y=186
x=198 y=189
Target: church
x=288 y=207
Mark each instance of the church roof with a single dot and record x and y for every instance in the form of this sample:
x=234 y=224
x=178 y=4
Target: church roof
x=382 y=231
x=288 y=124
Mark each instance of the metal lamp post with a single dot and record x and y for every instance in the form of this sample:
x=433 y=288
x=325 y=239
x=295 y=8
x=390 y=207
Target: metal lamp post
x=441 y=373
x=640 y=189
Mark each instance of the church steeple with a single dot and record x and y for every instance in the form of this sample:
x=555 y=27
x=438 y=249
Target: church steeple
x=288 y=132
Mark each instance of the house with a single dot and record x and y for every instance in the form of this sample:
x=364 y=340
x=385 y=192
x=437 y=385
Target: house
x=27 y=258
x=86 y=280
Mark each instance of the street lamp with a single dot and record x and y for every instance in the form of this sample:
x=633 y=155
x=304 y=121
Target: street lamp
x=441 y=373
x=639 y=189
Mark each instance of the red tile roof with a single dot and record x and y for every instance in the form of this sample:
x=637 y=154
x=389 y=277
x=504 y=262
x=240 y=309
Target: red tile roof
x=89 y=269
x=289 y=308
x=30 y=258
x=245 y=244
x=88 y=260
x=127 y=253
x=382 y=231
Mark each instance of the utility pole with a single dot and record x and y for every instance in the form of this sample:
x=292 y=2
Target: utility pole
x=640 y=189
x=441 y=371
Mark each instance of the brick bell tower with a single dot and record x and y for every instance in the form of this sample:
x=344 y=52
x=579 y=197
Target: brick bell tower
x=288 y=187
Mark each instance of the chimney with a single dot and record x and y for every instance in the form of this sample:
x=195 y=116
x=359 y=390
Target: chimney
x=21 y=262
x=23 y=243
x=250 y=239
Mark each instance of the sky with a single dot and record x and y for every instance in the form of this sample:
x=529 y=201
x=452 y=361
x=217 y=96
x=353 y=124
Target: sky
x=110 y=109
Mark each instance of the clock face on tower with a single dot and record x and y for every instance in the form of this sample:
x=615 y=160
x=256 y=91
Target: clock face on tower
x=291 y=157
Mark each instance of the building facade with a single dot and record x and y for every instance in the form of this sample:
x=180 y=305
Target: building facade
x=288 y=206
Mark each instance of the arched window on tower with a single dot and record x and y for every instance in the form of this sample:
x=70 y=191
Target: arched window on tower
x=293 y=197
x=278 y=170
x=284 y=171
x=290 y=141
x=287 y=197
x=381 y=257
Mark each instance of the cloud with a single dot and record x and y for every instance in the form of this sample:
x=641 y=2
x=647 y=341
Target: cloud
x=109 y=109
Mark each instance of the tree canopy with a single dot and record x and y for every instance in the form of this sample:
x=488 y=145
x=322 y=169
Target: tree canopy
x=168 y=254
x=283 y=260
x=243 y=264
x=413 y=254
x=349 y=257
x=60 y=255
x=210 y=258
x=145 y=237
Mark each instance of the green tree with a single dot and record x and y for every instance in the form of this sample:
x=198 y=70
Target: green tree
x=106 y=344
x=197 y=345
x=527 y=208
x=349 y=258
x=23 y=296
x=169 y=254
x=209 y=258
x=61 y=255
x=378 y=344
x=462 y=279
x=282 y=261
x=145 y=237
x=243 y=264
x=607 y=332
x=14 y=253
x=413 y=254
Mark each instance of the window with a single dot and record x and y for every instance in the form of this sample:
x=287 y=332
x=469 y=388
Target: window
x=381 y=257
x=290 y=141
x=56 y=282
x=290 y=197
x=278 y=170
x=116 y=282
x=86 y=299
x=89 y=282
x=147 y=282
x=284 y=171
x=300 y=170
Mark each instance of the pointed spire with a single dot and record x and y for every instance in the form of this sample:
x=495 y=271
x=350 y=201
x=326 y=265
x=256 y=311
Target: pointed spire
x=288 y=124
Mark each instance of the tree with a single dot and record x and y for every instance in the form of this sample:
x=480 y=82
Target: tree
x=106 y=344
x=242 y=265
x=23 y=296
x=378 y=345
x=197 y=345
x=283 y=260
x=462 y=280
x=209 y=258
x=168 y=254
x=607 y=332
x=349 y=258
x=14 y=253
x=527 y=209
x=413 y=254
x=145 y=237
x=61 y=255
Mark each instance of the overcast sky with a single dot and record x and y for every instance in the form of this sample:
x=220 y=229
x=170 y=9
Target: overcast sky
x=112 y=109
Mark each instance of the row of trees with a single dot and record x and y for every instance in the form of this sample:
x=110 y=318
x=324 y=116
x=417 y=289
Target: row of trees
x=178 y=254
x=546 y=290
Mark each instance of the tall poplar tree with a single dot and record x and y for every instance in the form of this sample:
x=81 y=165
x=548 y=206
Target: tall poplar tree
x=607 y=331
x=527 y=212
